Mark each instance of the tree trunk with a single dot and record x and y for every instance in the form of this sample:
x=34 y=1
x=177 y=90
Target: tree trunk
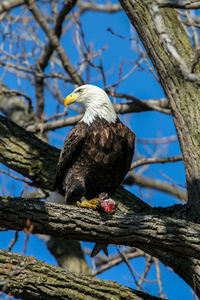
x=183 y=96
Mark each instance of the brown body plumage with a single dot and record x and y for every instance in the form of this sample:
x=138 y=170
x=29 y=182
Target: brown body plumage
x=94 y=159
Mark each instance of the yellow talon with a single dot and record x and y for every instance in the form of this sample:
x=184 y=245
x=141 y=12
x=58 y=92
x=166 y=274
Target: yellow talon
x=88 y=203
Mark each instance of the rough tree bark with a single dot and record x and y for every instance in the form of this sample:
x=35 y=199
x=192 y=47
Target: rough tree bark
x=28 y=278
x=183 y=96
x=139 y=230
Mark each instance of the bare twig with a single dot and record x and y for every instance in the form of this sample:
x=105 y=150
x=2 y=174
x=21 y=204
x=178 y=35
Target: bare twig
x=127 y=74
x=158 y=275
x=187 y=4
x=162 y=186
x=171 y=180
x=27 y=230
x=55 y=124
x=148 y=265
x=55 y=42
x=160 y=105
x=56 y=116
x=14 y=240
x=157 y=141
x=16 y=177
x=43 y=60
x=124 y=258
x=108 y=7
x=105 y=263
x=155 y=160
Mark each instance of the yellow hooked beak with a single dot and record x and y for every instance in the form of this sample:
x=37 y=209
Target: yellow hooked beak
x=70 y=98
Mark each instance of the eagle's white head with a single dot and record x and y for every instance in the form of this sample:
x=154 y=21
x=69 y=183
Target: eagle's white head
x=96 y=103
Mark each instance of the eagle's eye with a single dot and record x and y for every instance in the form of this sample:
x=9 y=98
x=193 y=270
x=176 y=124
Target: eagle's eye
x=80 y=91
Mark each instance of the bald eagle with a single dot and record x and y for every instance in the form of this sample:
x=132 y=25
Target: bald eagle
x=97 y=152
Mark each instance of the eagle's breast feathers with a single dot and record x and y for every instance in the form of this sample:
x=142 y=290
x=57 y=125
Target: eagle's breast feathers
x=97 y=157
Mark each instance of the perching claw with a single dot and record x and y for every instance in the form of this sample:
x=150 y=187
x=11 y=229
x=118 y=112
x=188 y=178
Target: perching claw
x=93 y=203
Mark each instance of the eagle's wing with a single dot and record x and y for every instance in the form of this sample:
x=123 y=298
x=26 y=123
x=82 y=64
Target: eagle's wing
x=128 y=142
x=130 y=148
x=71 y=149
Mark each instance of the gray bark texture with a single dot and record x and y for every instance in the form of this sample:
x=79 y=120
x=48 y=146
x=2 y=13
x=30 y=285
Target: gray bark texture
x=183 y=96
x=28 y=278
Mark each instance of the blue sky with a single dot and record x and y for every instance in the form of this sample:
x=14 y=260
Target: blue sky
x=146 y=125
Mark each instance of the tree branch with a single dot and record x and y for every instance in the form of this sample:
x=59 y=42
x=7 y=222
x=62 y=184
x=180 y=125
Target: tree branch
x=20 y=274
x=55 y=42
x=156 y=184
x=186 y=267
x=138 y=230
x=14 y=107
x=26 y=154
x=137 y=105
x=122 y=108
x=105 y=263
x=160 y=105
x=187 y=4
x=108 y=8
x=43 y=60
x=7 y=5
x=155 y=160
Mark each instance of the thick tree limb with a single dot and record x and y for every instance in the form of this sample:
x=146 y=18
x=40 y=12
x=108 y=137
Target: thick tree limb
x=138 y=230
x=20 y=275
x=26 y=154
x=55 y=124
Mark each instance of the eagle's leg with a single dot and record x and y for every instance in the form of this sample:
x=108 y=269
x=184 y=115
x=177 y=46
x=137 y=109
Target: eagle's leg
x=88 y=203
